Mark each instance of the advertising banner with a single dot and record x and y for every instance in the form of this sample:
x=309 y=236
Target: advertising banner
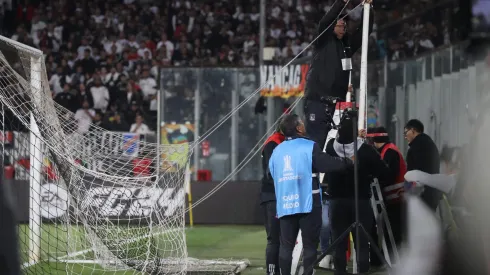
x=113 y=202
x=290 y=83
x=135 y=204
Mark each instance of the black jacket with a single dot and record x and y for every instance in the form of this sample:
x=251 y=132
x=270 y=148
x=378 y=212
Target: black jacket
x=321 y=162
x=341 y=184
x=326 y=76
x=267 y=192
x=423 y=155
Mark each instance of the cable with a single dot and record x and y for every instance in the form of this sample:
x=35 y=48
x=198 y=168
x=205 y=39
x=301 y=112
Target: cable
x=255 y=150
x=234 y=110
x=245 y=161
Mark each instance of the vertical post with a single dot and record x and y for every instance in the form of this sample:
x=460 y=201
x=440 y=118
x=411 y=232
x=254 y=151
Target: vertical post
x=35 y=177
x=364 y=54
x=35 y=192
x=270 y=100
x=188 y=190
x=160 y=114
x=234 y=126
x=262 y=32
x=197 y=117
x=261 y=63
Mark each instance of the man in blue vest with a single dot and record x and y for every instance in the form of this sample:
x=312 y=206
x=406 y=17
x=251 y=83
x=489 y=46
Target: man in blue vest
x=294 y=166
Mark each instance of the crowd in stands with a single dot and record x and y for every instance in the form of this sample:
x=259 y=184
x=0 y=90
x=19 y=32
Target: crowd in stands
x=103 y=56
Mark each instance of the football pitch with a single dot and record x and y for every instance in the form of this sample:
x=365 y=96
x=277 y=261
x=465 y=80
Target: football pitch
x=226 y=242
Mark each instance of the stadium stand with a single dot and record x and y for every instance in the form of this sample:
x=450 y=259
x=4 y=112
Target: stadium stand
x=108 y=53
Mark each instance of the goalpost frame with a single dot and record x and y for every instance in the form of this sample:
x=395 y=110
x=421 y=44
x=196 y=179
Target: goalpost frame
x=35 y=169
x=35 y=153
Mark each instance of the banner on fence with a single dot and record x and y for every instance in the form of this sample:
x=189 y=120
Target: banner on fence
x=290 y=82
x=176 y=134
x=114 y=202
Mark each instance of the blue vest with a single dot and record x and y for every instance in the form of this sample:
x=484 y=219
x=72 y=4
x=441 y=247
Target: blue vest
x=291 y=168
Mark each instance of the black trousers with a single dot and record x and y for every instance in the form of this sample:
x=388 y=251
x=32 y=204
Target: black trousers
x=396 y=215
x=310 y=225
x=318 y=118
x=342 y=215
x=273 y=230
x=9 y=249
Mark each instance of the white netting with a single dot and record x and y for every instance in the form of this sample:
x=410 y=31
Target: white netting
x=98 y=201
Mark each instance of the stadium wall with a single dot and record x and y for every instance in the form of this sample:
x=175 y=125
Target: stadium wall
x=235 y=203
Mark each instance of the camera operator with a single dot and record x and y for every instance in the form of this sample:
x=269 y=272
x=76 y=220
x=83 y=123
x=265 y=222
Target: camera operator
x=294 y=165
x=341 y=188
x=328 y=75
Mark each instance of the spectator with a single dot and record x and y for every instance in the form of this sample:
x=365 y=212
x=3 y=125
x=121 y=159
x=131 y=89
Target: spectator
x=87 y=63
x=140 y=127
x=130 y=115
x=67 y=98
x=84 y=96
x=130 y=38
x=116 y=123
x=84 y=117
x=133 y=97
x=57 y=81
x=97 y=124
x=100 y=95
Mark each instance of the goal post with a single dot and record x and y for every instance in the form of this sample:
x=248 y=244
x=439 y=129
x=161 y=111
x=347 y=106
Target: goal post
x=35 y=161
x=35 y=151
x=99 y=202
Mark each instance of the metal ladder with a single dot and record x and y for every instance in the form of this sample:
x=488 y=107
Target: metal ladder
x=381 y=218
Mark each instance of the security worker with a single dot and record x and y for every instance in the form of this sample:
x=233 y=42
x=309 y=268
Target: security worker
x=393 y=186
x=268 y=203
x=294 y=166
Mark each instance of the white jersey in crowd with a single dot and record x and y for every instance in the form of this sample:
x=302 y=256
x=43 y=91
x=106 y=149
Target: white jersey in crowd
x=101 y=97
x=142 y=129
x=148 y=86
x=84 y=120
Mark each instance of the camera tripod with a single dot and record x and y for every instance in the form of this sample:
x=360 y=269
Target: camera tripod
x=352 y=114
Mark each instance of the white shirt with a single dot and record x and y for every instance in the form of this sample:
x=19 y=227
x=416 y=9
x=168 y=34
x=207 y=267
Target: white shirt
x=248 y=44
x=98 y=18
x=143 y=129
x=101 y=97
x=84 y=120
x=275 y=33
x=108 y=47
x=168 y=44
x=426 y=43
x=148 y=86
x=142 y=51
x=55 y=83
x=81 y=51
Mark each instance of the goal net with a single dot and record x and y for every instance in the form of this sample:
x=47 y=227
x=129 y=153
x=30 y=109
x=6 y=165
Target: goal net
x=99 y=201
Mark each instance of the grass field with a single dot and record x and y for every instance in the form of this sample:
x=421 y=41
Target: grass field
x=203 y=242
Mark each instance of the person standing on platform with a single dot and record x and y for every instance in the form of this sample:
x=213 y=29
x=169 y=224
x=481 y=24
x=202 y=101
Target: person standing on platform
x=328 y=75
